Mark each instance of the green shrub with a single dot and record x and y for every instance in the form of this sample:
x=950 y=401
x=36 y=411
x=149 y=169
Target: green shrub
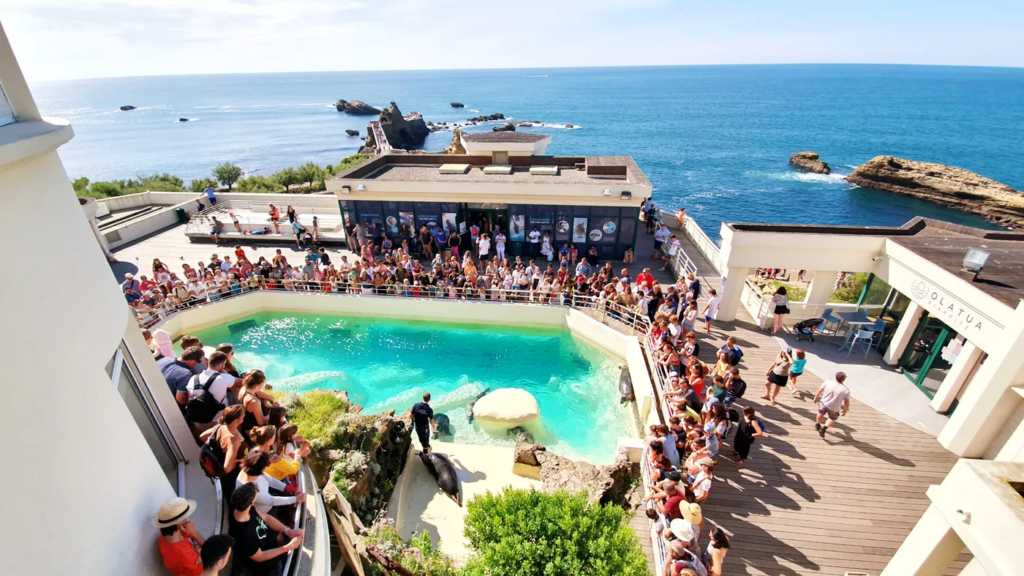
x=849 y=291
x=258 y=183
x=227 y=174
x=200 y=184
x=530 y=533
x=316 y=413
x=795 y=293
x=419 y=556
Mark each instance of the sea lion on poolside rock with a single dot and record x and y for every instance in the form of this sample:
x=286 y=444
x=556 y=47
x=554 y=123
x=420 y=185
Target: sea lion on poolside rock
x=442 y=469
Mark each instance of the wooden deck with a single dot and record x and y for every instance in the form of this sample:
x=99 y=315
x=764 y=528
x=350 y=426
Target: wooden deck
x=802 y=505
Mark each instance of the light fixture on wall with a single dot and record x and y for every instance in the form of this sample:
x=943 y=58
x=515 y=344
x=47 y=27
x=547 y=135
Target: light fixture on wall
x=626 y=195
x=362 y=188
x=607 y=192
x=346 y=189
x=975 y=261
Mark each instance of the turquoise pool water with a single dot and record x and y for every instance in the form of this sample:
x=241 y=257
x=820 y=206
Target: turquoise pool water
x=388 y=364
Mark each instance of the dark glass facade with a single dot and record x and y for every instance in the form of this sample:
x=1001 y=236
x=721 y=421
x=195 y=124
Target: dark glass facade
x=610 y=228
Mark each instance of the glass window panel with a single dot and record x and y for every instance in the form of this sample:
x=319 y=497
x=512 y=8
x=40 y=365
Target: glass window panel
x=128 y=388
x=627 y=226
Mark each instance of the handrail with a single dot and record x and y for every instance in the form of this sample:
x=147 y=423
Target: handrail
x=607 y=312
x=291 y=563
x=380 y=139
x=657 y=544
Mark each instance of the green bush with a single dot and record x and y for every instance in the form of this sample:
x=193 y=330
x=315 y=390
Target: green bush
x=316 y=414
x=419 y=556
x=795 y=293
x=530 y=533
x=258 y=183
x=200 y=184
x=850 y=291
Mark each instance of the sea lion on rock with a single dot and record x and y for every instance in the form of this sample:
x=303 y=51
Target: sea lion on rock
x=442 y=469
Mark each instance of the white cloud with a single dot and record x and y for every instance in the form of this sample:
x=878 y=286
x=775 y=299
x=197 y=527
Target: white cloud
x=57 y=39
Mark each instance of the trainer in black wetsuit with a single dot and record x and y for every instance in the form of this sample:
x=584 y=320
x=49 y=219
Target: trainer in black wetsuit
x=423 y=421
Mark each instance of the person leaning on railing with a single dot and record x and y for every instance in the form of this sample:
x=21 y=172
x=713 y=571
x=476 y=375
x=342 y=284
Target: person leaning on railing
x=260 y=539
x=254 y=466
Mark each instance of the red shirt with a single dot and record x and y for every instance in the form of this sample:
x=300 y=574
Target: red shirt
x=645 y=277
x=672 y=505
x=240 y=255
x=180 y=558
x=147 y=285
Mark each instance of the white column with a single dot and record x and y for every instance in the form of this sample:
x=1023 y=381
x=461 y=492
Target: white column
x=990 y=399
x=956 y=378
x=928 y=550
x=99 y=236
x=904 y=332
x=734 y=281
x=819 y=291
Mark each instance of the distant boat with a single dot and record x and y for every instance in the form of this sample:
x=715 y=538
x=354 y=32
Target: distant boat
x=127 y=107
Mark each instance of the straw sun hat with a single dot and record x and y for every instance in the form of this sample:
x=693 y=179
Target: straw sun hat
x=691 y=512
x=173 y=512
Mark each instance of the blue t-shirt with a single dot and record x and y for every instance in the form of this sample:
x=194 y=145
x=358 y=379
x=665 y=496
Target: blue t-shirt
x=176 y=373
x=209 y=194
x=798 y=366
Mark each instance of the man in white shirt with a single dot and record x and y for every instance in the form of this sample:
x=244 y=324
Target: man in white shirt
x=711 y=309
x=218 y=388
x=660 y=236
x=484 y=244
x=833 y=401
x=534 y=237
x=673 y=247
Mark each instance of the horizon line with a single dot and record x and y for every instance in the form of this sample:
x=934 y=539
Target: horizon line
x=765 y=64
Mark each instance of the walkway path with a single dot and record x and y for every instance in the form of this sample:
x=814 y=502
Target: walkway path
x=803 y=505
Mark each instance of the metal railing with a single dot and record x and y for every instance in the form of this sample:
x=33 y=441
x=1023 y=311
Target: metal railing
x=657 y=543
x=291 y=563
x=381 y=140
x=202 y=222
x=624 y=319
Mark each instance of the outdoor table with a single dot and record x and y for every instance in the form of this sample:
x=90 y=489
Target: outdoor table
x=855 y=319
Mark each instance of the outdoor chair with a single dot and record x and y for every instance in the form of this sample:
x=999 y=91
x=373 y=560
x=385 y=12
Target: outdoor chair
x=831 y=326
x=864 y=339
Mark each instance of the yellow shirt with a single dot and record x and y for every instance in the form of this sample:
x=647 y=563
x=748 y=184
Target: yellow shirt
x=282 y=469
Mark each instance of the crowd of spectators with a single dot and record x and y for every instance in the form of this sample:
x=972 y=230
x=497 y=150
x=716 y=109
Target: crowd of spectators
x=247 y=443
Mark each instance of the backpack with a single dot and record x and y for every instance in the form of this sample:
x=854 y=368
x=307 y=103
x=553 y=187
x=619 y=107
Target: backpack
x=202 y=406
x=735 y=355
x=211 y=456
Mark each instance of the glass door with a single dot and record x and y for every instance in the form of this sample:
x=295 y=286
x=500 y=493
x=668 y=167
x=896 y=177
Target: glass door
x=922 y=362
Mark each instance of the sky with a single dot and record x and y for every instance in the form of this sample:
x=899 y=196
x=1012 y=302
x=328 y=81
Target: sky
x=68 y=39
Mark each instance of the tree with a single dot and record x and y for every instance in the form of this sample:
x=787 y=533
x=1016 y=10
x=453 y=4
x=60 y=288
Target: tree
x=530 y=533
x=257 y=183
x=105 y=189
x=308 y=172
x=227 y=174
x=200 y=184
x=80 y=184
x=286 y=178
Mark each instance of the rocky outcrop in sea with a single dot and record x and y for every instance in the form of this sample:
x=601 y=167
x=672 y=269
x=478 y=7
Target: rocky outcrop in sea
x=127 y=107
x=458 y=105
x=809 y=161
x=508 y=127
x=403 y=132
x=945 y=185
x=355 y=107
x=351 y=132
x=487 y=118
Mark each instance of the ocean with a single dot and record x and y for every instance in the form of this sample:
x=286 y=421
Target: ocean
x=715 y=139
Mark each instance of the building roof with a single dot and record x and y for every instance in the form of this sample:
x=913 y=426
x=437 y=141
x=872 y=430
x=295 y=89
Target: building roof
x=576 y=170
x=522 y=137
x=943 y=244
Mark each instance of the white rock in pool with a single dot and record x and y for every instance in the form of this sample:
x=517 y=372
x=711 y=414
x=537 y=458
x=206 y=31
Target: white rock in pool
x=507 y=406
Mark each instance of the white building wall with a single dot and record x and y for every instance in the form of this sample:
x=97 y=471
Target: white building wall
x=80 y=482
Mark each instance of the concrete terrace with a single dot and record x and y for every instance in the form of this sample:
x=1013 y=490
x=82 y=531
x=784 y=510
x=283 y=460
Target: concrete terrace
x=800 y=505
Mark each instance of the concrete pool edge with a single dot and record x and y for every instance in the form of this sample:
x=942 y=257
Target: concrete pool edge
x=578 y=324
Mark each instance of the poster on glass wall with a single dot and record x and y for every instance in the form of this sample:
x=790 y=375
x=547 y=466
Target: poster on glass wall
x=392 y=224
x=518 y=228
x=407 y=219
x=448 y=219
x=579 y=230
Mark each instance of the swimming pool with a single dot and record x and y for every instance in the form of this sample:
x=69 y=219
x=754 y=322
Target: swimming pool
x=387 y=364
